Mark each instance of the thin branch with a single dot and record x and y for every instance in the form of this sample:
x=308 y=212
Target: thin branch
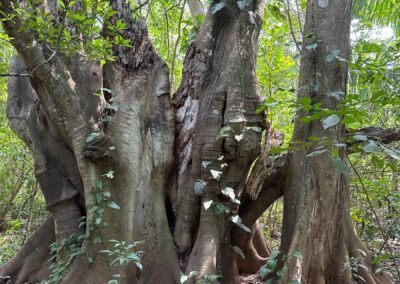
x=177 y=43
x=386 y=136
x=291 y=27
x=375 y=214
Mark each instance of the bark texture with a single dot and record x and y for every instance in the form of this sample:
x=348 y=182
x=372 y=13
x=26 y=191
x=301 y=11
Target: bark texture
x=317 y=220
x=77 y=137
x=174 y=173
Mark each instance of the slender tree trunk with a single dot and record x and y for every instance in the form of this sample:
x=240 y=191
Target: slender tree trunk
x=317 y=220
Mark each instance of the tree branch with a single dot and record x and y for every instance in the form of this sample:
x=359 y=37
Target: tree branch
x=384 y=135
x=265 y=179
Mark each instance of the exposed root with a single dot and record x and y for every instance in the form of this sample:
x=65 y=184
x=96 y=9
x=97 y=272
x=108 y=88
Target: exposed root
x=31 y=263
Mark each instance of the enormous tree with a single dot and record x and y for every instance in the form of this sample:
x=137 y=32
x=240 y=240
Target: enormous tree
x=139 y=165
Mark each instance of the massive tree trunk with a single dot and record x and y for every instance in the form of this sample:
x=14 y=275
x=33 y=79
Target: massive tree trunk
x=110 y=158
x=317 y=220
x=174 y=173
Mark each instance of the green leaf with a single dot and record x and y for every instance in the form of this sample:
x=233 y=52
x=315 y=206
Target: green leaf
x=183 y=278
x=199 y=186
x=305 y=100
x=312 y=46
x=110 y=174
x=224 y=132
x=112 y=204
x=371 y=147
x=255 y=129
x=264 y=271
x=316 y=153
x=337 y=95
x=220 y=208
x=238 y=221
x=139 y=265
x=239 y=137
x=99 y=197
x=252 y=17
x=239 y=251
x=90 y=259
x=205 y=164
x=359 y=137
x=92 y=136
x=334 y=54
x=218 y=6
x=330 y=121
x=207 y=204
x=242 y=4
x=98 y=220
x=395 y=154
x=216 y=174
x=340 y=165
x=271 y=264
x=230 y=192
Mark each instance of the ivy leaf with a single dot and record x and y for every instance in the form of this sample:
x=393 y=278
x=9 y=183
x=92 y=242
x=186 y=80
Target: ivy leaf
x=229 y=192
x=239 y=137
x=113 y=205
x=183 y=278
x=255 y=129
x=216 y=174
x=92 y=136
x=332 y=55
x=110 y=174
x=217 y=7
x=220 y=208
x=199 y=186
x=312 y=46
x=224 y=132
x=98 y=220
x=239 y=251
x=337 y=95
x=359 y=137
x=139 y=265
x=330 y=121
x=90 y=259
x=371 y=147
x=206 y=163
x=252 y=17
x=238 y=221
x=340 y=165
x=207 y=204
x=316 y=153
x=264 y=271
x=242 y=4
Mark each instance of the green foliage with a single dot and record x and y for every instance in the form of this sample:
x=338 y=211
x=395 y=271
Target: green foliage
x=21 y=207
x=123 y=254
x=62 y=256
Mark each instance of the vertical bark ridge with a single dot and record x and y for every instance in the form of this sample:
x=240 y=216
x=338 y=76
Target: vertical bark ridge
x=218 y=89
